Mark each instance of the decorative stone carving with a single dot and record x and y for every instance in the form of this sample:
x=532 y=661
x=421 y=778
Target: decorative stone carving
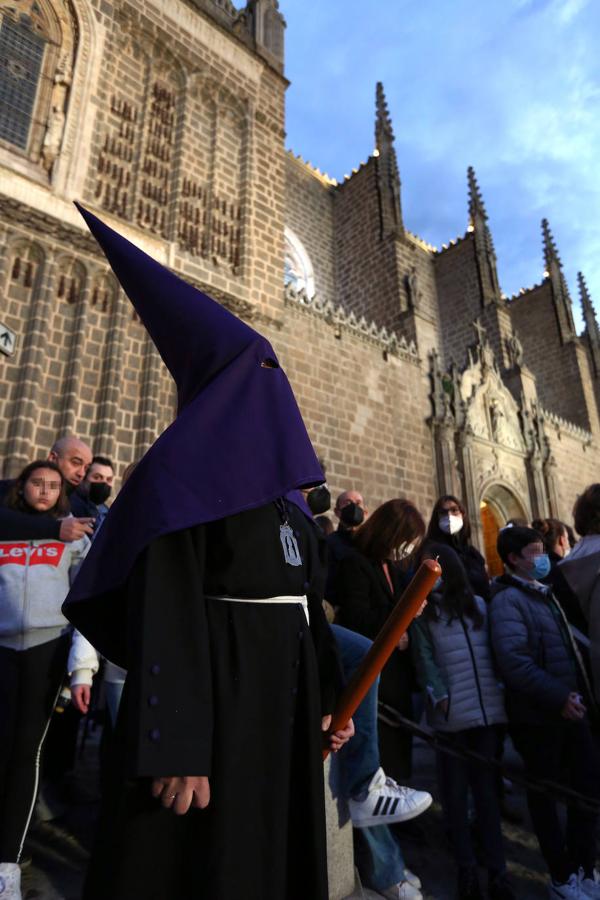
x=340 y=320
x=514 y=348
x=58 y=104
x=487 y=467
x=413 y=290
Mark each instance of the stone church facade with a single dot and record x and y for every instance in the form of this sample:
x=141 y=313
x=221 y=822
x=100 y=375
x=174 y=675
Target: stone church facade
x=415 y=373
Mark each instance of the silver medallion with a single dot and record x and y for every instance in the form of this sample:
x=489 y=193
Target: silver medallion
x=289 y=543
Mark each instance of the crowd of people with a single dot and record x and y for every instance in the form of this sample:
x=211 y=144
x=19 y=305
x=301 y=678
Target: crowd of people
x=517 y=654
x=224 y=606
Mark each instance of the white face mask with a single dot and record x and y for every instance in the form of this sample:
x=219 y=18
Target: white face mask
x=404 y=550
x=450 y=524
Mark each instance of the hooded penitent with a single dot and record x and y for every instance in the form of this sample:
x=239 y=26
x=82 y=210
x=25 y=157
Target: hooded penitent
x=237 y=443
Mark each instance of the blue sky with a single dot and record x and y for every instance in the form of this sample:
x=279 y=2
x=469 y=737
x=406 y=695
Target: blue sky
x=511 y=87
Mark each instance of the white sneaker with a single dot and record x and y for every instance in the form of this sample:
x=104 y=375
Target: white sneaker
x=567 y=891
x=404 y=890
x=10 y=881
x=387 y=802
x=412 y=879
x=589 y=887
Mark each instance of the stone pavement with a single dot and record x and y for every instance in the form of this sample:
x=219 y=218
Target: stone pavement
x=59 y=851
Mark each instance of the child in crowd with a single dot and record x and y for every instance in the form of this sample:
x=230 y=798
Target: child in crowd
x=548 y=716
x=452 y=652
x=35 y=637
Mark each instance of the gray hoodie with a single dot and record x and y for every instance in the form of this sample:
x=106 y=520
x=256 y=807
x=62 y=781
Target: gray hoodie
x=35 y=577
x=581 y=571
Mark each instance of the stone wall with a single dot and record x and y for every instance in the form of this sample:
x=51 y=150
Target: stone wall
x=366 y=271
x=459 y=299
x=170 y=125
x=560 y=368
x=309 y=214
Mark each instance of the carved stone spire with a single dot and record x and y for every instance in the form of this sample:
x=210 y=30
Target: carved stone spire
x=388 y=177
x=476 y=205
x=484 y=244
x=560 y=291
x=591 y=323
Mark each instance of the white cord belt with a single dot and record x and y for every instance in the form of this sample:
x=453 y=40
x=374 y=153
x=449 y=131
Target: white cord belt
x=296 y=601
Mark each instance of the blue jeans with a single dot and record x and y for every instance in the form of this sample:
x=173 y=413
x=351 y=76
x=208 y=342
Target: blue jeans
x=359 y=760
x=113 y=691
x=377 y=852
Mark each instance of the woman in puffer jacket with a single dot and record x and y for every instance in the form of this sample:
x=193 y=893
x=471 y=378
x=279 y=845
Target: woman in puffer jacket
x=35 y=638
x=453 y=656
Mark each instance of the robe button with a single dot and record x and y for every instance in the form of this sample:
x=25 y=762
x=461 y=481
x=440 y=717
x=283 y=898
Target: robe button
x=296 y=663
x=153 y=700
x=294 y=691
x=300 y=635
x=154 y=735
x=306 y=585
x=155 y=669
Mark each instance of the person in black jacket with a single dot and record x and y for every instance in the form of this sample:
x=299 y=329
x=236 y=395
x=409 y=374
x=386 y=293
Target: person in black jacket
x=547 y=700
x=449 y=524
x=558 y=546
x=369 y=582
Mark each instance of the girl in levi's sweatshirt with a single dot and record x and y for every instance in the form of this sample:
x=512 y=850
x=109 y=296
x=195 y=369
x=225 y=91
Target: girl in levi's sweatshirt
x=35 y=638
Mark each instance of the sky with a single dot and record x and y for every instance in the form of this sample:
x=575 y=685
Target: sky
x=511 y=87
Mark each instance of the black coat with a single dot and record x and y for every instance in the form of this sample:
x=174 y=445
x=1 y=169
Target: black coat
x=471 y=559
x=365 y=601
x=230 y=690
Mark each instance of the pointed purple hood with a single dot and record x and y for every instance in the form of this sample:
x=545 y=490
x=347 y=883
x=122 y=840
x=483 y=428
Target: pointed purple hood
x=237 y=443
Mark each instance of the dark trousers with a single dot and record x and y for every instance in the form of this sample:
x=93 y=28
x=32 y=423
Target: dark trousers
x=29 y=684
x=455 y=777
x=563 y=752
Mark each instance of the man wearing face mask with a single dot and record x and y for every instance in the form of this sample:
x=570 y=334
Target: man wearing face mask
x=89 y=499
x=449 y=525
x=351 y=511
x=318 y=499
x=548 y=696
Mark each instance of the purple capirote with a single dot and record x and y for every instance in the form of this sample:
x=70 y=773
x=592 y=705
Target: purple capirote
x=237 y=443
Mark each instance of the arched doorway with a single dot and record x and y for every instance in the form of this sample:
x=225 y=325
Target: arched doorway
x=497 y=506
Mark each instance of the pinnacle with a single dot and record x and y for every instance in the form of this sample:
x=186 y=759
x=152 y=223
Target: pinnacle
x=384 y=131
x=583 y=289
x=476 y=204
x=550 y=251
x=589 y=313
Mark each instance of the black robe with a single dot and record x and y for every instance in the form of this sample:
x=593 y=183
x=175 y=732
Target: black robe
x=229 y=690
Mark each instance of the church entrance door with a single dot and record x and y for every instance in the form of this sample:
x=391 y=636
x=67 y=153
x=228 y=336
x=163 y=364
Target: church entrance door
x=497 y=506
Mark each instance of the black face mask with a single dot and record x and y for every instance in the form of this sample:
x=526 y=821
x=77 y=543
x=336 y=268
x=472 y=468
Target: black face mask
x=319 y=500
x=352 y=515
x=99 y=492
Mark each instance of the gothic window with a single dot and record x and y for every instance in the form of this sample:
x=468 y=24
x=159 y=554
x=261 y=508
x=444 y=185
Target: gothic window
x=36 y=60
x=298 y=269
x=21 y=54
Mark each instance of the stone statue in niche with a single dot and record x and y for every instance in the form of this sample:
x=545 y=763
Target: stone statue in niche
x=412 y=287
x=515 y=350
x=58 y=105
x=497 y=420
